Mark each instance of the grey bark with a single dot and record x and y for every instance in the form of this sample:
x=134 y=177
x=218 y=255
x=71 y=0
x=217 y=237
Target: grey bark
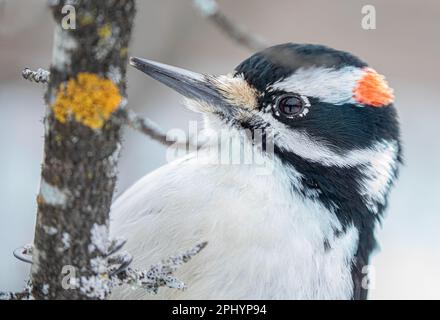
x=79 y=167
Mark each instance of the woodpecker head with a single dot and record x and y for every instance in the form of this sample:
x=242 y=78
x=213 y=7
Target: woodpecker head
x=331 y=116
x=332 y=119
x=320 y=103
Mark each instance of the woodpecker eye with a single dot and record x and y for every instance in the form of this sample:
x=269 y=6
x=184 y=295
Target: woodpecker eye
x=291 y=106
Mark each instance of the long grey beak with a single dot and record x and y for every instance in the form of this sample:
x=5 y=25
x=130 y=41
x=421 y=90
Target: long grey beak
x=189 y=84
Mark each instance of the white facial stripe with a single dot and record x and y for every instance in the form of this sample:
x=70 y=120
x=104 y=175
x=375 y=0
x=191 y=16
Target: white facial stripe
x=310 y=148
x=379 y=176
x=327 y=84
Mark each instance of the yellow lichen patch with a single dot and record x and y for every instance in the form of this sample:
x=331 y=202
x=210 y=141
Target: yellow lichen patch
x=58 y=138
x=88 y=98
x=105 y=31
x=123 y=52
x=86 y=19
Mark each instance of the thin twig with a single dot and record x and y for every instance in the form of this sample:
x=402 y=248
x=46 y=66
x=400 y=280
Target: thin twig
x=39 y=76
x=119 y=274
x=159 y=275
x=26 y=294
x=210 y=10
x=150 y=128
x=150 y=280
x=145 y=126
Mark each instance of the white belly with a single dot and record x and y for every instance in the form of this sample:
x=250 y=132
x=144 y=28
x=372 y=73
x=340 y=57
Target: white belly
x=264 y=242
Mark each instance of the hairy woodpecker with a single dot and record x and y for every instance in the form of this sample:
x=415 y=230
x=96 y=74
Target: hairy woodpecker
x=304 y=231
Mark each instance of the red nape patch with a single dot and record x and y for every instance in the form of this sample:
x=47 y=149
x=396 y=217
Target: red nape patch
x=373 y=90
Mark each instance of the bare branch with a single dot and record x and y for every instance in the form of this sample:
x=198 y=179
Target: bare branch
x=81 y=148
x=113 y=270
x=24 y=253
x=145 y=126
x=210 y=10
x=86 y=89
x=159 y=275
x=150 y=128
x=26 y=294
x=39 y=76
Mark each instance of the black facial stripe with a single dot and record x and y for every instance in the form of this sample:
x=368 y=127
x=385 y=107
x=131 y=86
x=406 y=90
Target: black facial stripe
x=338 y=188
x=252 y=122
x=347 y=127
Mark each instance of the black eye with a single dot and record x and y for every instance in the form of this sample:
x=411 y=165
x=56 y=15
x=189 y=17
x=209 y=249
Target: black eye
x=291 y=106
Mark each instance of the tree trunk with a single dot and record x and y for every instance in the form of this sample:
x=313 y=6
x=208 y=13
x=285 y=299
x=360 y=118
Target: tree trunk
x=82 y=142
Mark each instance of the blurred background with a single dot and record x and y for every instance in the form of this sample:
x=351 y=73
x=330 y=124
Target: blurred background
x=405 y=47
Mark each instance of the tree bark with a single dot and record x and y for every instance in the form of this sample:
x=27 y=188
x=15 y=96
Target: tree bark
x=81 y=150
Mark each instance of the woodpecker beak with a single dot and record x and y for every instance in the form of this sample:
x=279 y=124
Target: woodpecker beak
x=190 y=84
